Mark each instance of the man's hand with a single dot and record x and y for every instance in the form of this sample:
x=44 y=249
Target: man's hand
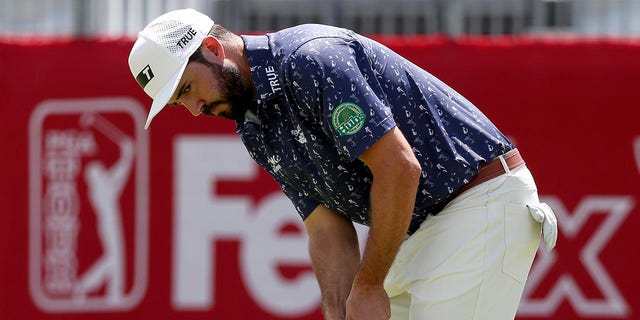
x=368 y=303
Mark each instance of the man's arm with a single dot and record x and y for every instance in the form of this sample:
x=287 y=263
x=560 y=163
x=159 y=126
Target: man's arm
x=335 y=256
x=396 y=174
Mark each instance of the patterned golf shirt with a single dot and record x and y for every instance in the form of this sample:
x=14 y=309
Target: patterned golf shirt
x=326 y=94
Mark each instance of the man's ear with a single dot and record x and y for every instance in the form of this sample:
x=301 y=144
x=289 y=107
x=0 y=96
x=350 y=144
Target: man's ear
x=214 y=47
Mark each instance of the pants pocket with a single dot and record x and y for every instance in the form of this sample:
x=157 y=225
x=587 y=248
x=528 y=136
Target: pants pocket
x=522 y=238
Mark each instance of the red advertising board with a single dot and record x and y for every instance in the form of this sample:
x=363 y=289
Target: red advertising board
x=104 y=220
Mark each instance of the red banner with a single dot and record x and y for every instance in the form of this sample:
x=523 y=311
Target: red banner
x=104 y=220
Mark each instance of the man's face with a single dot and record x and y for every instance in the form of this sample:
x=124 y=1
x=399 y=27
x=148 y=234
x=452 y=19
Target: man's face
x=214 y=88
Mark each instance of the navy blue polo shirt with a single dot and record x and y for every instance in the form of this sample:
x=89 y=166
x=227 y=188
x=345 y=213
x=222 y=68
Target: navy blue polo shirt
x=326 y=94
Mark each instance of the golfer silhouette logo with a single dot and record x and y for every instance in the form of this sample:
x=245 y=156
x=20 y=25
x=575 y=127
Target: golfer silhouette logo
x=105 y=185
x=89 y=181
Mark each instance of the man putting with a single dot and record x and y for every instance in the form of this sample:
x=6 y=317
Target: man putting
x=353 y=132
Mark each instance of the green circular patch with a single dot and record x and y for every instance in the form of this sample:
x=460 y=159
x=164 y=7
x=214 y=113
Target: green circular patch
x=347 y=119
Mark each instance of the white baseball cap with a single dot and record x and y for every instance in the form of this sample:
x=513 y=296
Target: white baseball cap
x=161 y=53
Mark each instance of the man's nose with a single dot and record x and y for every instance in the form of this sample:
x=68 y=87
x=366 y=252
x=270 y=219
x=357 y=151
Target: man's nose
x=194 y=106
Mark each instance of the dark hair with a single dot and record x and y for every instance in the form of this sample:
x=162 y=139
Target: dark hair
x=221 y=33
x=217 y=31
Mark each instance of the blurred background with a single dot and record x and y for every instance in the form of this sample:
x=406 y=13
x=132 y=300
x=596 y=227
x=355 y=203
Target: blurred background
x=102 y=219
x=117 y=18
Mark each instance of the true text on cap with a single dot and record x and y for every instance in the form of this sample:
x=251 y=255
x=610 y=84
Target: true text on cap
x=186 y=38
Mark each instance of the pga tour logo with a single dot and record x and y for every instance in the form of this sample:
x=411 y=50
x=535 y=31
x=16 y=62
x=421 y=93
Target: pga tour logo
x=88 y=161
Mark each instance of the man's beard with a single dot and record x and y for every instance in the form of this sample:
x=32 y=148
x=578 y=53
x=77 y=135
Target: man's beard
x=233 y=90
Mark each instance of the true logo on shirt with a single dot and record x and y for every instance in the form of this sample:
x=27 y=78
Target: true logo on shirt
x=272 y=76
x=347 y=119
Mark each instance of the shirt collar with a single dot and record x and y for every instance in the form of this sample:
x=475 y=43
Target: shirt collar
x=264 y=69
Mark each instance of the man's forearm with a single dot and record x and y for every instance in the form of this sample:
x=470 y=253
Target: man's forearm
x=396 y=175
x=335 y=256
x=335 y=271
x=392 y=203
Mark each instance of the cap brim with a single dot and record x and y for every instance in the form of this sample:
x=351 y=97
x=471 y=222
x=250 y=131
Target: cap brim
x=165 y=93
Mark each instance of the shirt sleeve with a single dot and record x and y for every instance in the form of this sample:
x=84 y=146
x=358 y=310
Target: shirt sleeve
x=333 y=81
x=304 y=205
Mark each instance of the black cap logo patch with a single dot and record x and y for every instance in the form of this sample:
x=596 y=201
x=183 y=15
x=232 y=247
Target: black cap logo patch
x=144 y=76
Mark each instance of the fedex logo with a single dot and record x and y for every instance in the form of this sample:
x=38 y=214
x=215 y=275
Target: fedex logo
x=202 y=216
x=88 y=177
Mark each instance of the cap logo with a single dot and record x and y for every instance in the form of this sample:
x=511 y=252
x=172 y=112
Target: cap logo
x=144 y=76
x=186 y=38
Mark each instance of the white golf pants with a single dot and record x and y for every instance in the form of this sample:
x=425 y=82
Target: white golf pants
x=472 y=259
